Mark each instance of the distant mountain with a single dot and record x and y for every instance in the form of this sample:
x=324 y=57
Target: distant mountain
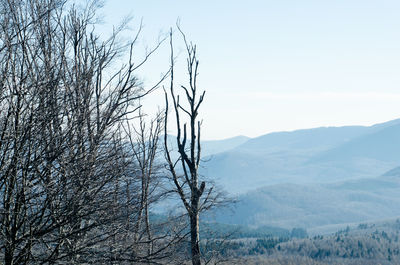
x=311 y=206
x=315 y=139
x=383 y=144
x=313 y=178
x=394 y=172
x=319 y=155
x=211 y=147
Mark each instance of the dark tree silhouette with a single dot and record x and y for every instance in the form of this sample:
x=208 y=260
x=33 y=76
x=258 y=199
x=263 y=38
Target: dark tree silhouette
x=190 y=187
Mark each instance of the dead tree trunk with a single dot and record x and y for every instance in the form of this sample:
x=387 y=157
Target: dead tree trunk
x=186 y=178
x=194 y=234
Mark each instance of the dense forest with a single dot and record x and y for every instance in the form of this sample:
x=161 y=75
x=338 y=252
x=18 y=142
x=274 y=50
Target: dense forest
x=361 y=244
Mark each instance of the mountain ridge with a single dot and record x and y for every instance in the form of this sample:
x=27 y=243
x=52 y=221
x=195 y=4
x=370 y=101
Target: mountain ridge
x=305 y=156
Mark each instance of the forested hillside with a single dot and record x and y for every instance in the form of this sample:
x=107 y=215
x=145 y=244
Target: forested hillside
x=317 y=205
x=366 y=243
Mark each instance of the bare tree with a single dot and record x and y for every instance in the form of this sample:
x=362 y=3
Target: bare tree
x=62 y=100
x=184 y=172
x=140 y=239
x=73 y=188
x=145 y=151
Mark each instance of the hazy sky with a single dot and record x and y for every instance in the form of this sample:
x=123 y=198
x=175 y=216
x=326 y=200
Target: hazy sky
x=281 y=65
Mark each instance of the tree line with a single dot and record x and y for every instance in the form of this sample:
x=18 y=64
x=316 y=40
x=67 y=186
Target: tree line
x=366 y=244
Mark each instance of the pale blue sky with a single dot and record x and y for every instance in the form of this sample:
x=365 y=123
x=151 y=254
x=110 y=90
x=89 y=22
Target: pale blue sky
x=281 y=65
